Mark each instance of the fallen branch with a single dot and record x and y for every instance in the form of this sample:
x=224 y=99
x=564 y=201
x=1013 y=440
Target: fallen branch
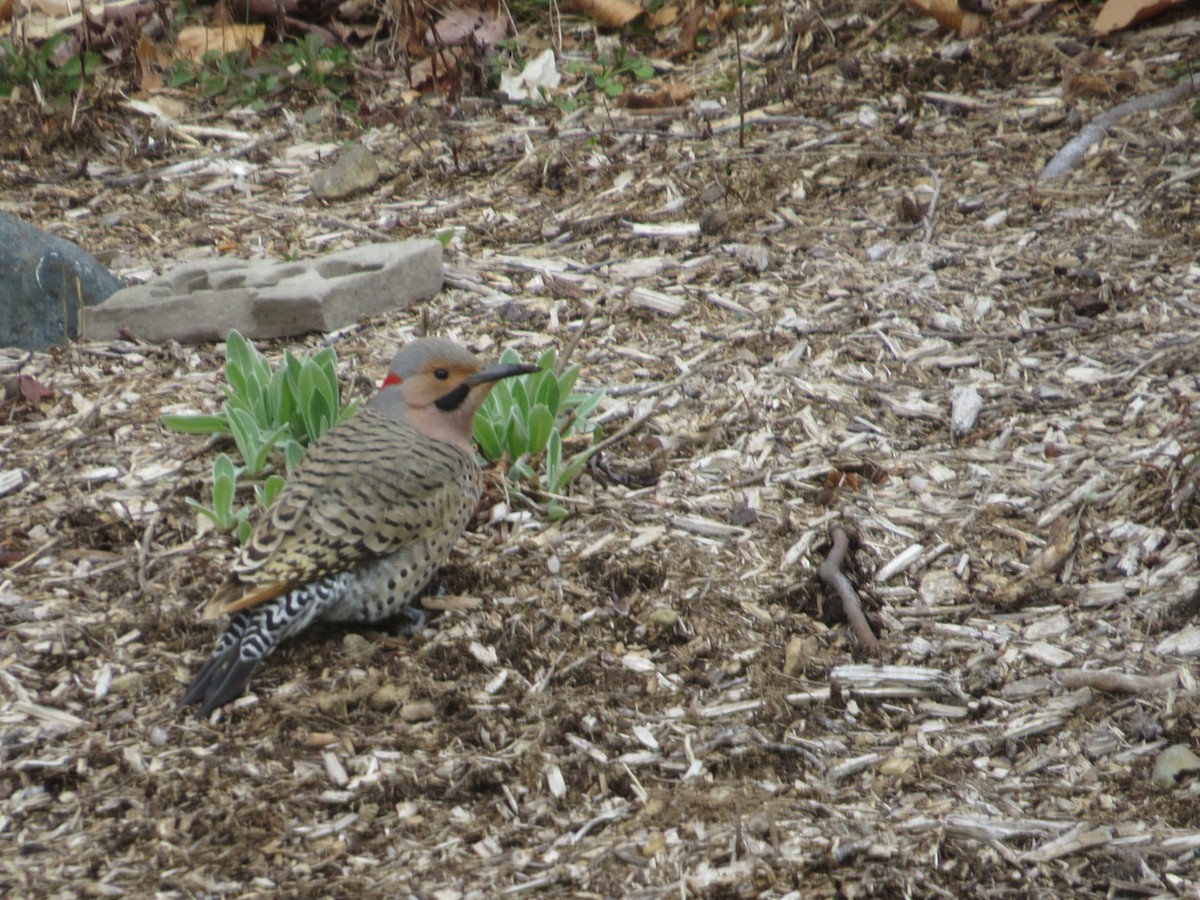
x=1066 y=159
x=831 y=574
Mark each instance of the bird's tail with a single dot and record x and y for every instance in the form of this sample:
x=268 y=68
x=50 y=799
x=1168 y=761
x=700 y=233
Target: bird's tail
x=251 y=636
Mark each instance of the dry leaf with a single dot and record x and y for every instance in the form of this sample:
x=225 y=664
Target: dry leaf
x=197 y=40
x=673 y=94
x=1118 y=14
x=460 y=25
x=609 y=13
x=663 y=17
x=151 y=62
x=423 y=73
x=25 y=386
x=950 y=16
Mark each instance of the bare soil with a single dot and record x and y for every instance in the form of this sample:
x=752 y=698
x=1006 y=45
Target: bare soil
x=653 y=697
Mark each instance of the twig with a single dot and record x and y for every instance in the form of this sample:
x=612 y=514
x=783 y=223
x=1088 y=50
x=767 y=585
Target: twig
x=1120 y=682
x=1066 y=159
x=339 y=222
x=144 y=548
x=565 y=357
x=931 y=215
x=831 y=574
x=737 y=43
x=626 y=431
x=30 y=557
x=878 y=23
x=138 y=179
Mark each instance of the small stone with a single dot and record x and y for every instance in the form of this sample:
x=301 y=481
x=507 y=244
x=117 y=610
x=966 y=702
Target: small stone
x=662 y=618
x=654 y=846
x=941 y=587
x=356 y=645
x=715 y=221
x=1176 y=760
x=1089 y=305
x=354 y=171
x=849 y=68
x=797 y=654
x=420 y=711
x=387 y=697
x=898 y=767
x=125 y=683
x=965 y=406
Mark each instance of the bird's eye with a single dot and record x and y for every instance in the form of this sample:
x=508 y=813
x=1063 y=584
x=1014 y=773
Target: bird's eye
x=441 y=374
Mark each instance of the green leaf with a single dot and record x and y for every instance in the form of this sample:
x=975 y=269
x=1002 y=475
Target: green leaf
x=268 y=444
x=326 y=360
x=548 y=393
x=247 y=435
x=520 y=444
x=486 y=438
x=195 y=423
x=510 y=441
x=224 y=487
x=491 y=409
x=566 y=381
x=540 y=425
x=318 y=408
x=502 y=397
x=572 y=469
x=239 y=385
x=269 y=490
x=520 y=397
x=584 y=407
x=327 y=385
x=293 y=452
x=240 y=353
x=205 y=511
x=283 y=402
x=553 y=455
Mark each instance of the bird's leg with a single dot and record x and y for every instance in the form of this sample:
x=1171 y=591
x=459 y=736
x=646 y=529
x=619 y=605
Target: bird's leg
x=412 y=617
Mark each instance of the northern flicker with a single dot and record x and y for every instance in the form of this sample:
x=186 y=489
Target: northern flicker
x=365 y=520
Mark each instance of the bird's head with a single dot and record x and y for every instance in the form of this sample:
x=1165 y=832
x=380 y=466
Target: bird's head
x=437 y=386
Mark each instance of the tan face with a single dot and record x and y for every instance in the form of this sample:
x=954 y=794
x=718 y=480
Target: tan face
x=441 y=389
x=436 y=381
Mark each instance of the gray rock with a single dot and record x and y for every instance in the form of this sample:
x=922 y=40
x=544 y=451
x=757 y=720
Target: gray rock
x=43 y=281
x=203 y=300
x=1176 y=760
x=354 y=171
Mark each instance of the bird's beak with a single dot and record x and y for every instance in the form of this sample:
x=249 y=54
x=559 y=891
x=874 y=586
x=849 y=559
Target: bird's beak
x=500 y=370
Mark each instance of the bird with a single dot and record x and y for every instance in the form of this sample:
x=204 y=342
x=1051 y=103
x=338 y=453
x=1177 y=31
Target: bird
x=365 y=520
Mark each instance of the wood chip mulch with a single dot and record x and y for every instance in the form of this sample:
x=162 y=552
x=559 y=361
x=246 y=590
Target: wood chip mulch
x=869 y=317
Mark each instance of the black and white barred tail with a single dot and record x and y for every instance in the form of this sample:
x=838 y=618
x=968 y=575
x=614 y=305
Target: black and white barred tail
x=252 y=635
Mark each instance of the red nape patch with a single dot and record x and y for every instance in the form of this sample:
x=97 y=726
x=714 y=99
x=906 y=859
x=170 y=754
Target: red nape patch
x=392 y=378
